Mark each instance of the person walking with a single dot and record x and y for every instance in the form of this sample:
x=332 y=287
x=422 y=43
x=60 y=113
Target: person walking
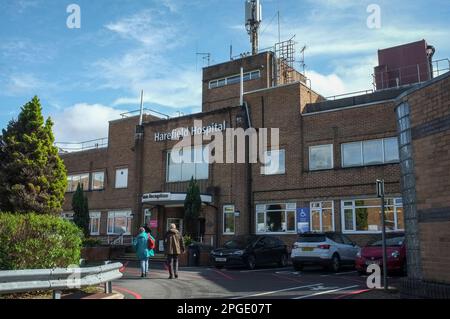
x=142 y=251
x=174 y=247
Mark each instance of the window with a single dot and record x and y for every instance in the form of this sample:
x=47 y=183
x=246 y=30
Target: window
x=119 y=222
x=74 y=180
x=122 y=178
x=253 y=75
x=322 y=216
x=275 y=218
x=98 y=180
x=229 y=223
x=67 y=216
x=275 y=163
x=372 y=152
x=364 y=215
x=94 y=223
x=320 y=157
x=187 y=163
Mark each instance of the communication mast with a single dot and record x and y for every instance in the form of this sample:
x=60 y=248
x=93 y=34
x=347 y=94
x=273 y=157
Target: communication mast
x=253 y=18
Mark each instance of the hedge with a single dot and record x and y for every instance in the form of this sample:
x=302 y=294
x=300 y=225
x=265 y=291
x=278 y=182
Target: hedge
x=31 y=241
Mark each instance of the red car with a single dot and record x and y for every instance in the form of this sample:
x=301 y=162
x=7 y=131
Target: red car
x=373 y=254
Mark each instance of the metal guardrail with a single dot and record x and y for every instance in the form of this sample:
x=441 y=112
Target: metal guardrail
x=58 y=279
x=68 y=147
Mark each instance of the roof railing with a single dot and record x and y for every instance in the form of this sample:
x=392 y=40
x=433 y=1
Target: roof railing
x=68 y=147
x=146 y=111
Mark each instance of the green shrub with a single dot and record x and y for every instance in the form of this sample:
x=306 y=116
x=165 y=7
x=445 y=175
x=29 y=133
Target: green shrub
x=91 y=242
x=30 y=241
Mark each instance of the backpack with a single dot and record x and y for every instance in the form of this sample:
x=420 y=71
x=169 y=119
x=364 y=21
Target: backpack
x=150 y=242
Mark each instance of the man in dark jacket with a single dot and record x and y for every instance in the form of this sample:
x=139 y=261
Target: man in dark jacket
x=174 y=247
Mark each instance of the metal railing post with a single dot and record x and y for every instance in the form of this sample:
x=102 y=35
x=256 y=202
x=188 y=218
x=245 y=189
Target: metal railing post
x=108 y=287
x=56 y=294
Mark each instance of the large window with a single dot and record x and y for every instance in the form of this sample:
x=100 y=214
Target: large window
x=98 y=180
x=275 y=163
x=275 y=218
x=74 y=180
x=122 y=178
x=94 y=223
x=322 y=216
x=253 y=75
x=364 y=215
x=187 y=163
x=119 y=222
x=320 y=157
x=229 y=223
x=372 y=152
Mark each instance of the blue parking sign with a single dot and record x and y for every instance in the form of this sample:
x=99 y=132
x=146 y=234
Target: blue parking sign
x=302 y=220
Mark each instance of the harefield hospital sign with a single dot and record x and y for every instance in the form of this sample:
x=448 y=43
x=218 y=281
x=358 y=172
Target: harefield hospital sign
x=178 y=133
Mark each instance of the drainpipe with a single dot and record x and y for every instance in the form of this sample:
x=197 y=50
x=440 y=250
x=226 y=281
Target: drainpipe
x=248 y=125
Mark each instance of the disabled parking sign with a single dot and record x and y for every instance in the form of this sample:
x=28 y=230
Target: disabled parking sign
x=302 y=220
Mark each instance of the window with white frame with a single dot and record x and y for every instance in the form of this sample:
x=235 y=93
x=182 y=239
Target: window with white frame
x=185 y=163
x=234 y=79
x=371 y=152
x=119 y=222
x=274 y=162
x=322 y=216
x=94 y=223
x=320 y=157
x=98 y=180
x=74 y=179
x=364 y=215
x=122 y=178
x=229 y=222
x=275 y=218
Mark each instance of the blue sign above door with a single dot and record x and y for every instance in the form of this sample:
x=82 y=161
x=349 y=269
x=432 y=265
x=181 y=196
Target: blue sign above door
x=302 y=220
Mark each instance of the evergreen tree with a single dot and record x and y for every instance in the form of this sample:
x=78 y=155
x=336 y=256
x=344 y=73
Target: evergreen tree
x=80 y=208
x=192 y=207
x=32 y=175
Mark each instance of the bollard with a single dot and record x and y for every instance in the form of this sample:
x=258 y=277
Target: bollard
x=57 y=294
x=108 y=287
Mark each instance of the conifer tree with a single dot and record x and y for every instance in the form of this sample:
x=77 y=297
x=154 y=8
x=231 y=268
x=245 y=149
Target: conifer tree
x=33 y=177
x=80 y=209
x=192 y=207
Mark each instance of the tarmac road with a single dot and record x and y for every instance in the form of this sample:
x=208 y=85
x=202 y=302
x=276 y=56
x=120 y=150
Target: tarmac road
x=270 y=283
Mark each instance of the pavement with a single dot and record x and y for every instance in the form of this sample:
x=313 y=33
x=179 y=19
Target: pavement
x=261 y=283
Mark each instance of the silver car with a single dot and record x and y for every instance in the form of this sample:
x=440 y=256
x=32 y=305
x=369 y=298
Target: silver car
x=330 y=250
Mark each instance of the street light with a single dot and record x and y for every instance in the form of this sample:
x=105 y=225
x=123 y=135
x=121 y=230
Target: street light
x=380 y=194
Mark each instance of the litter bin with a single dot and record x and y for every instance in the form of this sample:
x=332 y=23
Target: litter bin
x=193 y=255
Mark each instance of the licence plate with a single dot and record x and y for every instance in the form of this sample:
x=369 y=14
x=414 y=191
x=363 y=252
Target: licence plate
x=221 y=259
x=307 y=248
x=372 y=262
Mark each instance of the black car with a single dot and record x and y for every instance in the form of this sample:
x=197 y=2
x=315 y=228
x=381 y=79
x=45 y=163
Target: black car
x=250 y=251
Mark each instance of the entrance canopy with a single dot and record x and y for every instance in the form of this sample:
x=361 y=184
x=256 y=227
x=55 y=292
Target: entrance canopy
x=170 y=198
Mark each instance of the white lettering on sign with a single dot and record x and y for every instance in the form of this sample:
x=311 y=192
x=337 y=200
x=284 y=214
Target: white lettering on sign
x=178 y=133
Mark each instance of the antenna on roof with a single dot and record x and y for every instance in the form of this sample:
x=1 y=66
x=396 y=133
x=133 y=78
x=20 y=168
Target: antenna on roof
x=253 y=18
x=302 y=61
x=206 y=56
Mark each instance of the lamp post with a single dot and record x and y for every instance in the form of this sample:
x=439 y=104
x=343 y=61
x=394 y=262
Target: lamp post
x=380 y=194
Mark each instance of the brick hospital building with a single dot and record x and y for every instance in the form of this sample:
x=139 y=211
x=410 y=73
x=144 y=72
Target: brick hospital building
x=331 y=152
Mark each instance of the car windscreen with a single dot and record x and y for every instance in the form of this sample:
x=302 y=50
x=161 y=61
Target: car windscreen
x=311 y=238
x=391 y=242
x=240 y=242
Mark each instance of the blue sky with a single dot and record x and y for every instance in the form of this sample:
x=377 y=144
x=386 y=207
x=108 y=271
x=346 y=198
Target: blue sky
x=90 y=75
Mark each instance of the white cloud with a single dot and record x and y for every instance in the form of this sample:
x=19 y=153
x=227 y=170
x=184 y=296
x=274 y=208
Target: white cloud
x=83 y=122
x=326 y=85
x=24 y=83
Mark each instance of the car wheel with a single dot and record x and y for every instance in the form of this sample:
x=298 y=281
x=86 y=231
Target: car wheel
x=283 y=261
x=298 y=266
x=335 y=263
x=251 y=263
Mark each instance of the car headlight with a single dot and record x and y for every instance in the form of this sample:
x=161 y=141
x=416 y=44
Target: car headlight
x=238 y=252
x=395 y=254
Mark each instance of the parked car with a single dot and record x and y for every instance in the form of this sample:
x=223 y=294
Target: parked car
x=373 y=254
x=250 y=251
x=330 y=250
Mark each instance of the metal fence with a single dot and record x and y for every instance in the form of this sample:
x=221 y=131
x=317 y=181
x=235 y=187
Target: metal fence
x=58 y=279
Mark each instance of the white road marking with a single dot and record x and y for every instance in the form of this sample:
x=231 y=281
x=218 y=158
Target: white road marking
x=347 y=272
x=274 y=291
x=325 y=292
x=269 y=269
